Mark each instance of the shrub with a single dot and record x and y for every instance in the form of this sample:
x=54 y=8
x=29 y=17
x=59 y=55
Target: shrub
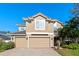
x=11 y=45
x=71 y=46
x=67 y=42
x=65 y=46
x=4 y=46
x=1 y=42
x=8 y=45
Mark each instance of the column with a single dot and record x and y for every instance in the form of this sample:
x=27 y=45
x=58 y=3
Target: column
x=51 y=41
x=28 y=41
x=13 y=39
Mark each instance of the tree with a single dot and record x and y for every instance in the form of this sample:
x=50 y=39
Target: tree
x=71 y=30
x=75 y=10
x=74 y=22
x=64 y=33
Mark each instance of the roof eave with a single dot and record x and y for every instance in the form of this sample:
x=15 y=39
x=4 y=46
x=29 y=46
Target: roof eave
x=20 y=25
x=17 y=34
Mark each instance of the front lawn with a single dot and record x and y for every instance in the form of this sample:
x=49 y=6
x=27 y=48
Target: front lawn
x=1 y=50
x=68 y=52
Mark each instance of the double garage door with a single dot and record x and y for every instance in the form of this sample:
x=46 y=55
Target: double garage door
x=33 y=42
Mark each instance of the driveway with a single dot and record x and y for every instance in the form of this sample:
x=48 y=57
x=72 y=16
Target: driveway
x=30 y=52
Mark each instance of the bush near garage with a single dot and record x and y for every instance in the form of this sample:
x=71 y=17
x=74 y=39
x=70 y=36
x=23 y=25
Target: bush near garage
x=71 y=46
x=7 y=45
x=65 y=46
x=1 y=42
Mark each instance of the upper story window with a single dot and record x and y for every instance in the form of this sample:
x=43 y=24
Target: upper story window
x=55 y=26
x=27 y=23
x=22 y=29
x=40 y=24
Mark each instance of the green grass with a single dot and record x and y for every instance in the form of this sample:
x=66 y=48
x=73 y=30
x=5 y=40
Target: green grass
x=1 y=50
x=68 y=52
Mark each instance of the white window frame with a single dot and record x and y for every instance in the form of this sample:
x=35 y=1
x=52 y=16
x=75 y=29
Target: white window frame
x=36 y=25
x=20 y=28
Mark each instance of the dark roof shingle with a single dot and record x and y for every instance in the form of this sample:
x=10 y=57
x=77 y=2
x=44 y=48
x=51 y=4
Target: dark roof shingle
x=20 y=32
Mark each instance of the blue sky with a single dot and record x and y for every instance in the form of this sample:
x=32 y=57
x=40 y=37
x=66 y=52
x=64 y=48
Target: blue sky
x=11 y=14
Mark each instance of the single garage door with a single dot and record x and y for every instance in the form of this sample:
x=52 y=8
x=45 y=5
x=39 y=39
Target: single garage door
x=37 y=42
x=21 y=42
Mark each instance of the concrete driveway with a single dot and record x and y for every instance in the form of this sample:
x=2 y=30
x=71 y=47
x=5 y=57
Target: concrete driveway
x=30 y=52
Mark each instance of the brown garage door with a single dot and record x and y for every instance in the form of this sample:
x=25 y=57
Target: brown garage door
x=37 y=42
x=21 y=42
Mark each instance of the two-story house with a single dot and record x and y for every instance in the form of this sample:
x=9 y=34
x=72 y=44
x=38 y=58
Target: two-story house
x=37 y=32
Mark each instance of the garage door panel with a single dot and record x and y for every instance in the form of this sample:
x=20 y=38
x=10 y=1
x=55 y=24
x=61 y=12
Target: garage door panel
x=39 y=42
x=21 y=42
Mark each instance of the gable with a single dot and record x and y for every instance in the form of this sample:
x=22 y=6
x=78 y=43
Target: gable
x=39 y=15
x=41 y=23
x=39 y=18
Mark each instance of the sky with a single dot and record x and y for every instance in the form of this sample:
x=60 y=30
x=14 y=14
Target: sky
x=13 y=13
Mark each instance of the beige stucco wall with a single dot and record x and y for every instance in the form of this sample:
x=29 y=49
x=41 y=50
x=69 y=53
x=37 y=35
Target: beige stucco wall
x=59 y=25
x=31 y=27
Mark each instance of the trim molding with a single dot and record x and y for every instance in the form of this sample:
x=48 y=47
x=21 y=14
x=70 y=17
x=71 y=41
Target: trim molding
x=17 y=34
x=39 y=33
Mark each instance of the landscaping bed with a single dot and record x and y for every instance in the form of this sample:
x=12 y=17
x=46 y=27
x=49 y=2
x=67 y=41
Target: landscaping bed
x=6 y=45
x=69 y=50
